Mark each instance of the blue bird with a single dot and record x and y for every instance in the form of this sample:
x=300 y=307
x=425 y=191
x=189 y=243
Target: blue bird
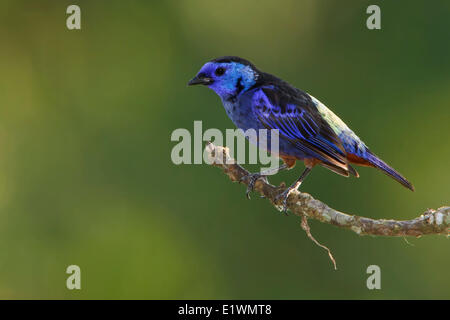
x=308 y=130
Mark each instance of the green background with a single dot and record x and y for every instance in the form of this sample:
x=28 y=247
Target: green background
x=86 y=176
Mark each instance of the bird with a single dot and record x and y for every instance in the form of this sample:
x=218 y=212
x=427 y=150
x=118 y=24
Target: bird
x=308 y=131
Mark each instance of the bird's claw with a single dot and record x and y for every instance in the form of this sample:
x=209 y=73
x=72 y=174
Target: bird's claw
x=283 y=198
x=252 y=178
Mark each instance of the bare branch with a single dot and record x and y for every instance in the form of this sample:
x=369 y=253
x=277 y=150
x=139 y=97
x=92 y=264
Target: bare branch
x=304 y=205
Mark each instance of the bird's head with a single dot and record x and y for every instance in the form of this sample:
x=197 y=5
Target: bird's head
x=227 y=76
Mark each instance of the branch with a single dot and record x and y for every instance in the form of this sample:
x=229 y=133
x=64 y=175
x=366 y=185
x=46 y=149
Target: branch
x=305 y=206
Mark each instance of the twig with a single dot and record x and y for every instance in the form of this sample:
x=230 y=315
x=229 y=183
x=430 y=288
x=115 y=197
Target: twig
x=305 y=226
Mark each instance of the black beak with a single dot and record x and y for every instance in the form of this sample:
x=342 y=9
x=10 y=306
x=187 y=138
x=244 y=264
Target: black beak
x=200 y=80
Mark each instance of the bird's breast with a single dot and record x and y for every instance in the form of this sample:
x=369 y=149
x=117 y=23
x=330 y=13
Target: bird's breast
x=242 y=115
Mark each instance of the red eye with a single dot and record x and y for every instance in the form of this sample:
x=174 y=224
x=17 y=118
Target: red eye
x=219 y=71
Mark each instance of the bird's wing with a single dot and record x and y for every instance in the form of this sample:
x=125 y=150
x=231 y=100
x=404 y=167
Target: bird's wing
x=298 y=120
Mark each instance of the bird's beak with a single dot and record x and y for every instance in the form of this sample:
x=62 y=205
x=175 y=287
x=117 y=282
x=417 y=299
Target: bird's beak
x=200 y=80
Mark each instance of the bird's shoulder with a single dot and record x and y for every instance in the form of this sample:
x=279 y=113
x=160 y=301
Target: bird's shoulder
x=281 y=92
x=272 y=95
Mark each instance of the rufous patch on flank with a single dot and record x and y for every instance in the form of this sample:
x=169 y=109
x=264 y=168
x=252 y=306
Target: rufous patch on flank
x=358 y=160
x=289 y=161
x=311 y=162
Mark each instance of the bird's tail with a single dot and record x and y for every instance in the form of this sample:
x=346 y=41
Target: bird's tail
x=383 y=166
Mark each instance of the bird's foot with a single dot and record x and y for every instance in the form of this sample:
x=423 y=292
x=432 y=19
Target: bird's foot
x=283 y=198
x=252 y=178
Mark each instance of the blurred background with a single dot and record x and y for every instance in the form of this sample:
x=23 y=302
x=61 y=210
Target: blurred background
x=86 y=176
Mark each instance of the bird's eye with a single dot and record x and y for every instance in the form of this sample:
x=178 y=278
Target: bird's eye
x=219 y=71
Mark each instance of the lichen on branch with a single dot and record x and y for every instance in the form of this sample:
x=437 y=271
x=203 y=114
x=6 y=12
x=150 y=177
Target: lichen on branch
x=305 y=206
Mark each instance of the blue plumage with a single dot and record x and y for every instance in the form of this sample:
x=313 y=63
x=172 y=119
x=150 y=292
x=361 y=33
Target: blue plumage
x=308 y=130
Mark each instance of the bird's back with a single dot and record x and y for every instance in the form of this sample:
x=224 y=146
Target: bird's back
x=350 y=141
x=357 y=151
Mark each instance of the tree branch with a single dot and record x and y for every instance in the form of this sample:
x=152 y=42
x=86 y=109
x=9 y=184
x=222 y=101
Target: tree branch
x=305 y=206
